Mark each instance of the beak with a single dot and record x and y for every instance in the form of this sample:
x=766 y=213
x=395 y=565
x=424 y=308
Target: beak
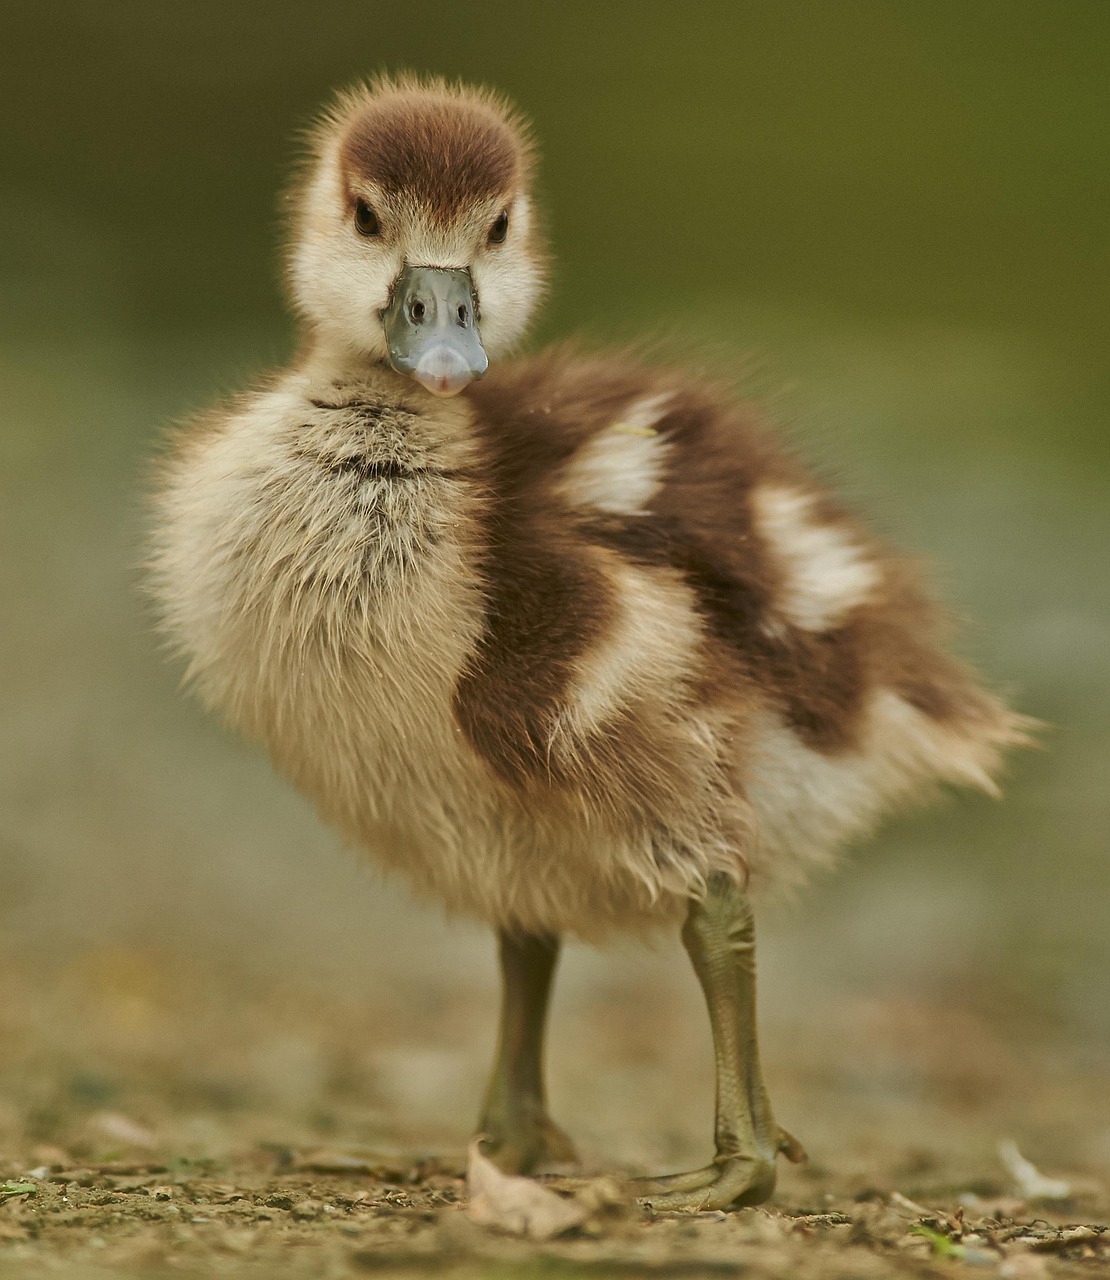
x=432 y=330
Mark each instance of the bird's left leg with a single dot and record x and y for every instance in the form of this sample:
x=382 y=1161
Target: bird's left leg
x=522 y=1136
x=719 y=936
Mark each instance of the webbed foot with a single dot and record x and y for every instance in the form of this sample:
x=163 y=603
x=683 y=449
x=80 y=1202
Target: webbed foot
x=724 y=1184
x=733 y=1181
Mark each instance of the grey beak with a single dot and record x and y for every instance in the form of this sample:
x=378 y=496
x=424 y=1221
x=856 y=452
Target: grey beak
x=432 y=330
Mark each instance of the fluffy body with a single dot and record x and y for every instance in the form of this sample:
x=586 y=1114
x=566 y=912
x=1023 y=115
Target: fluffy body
x=579 y=649
x=559 y=648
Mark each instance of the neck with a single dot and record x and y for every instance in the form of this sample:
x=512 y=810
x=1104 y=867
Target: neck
x=326 y=360
x=436 y=432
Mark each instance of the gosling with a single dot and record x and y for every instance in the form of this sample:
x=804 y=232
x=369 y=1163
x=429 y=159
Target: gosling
x=578 y=647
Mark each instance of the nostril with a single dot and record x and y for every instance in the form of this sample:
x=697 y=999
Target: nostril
x=463 y=313
x=418 y=311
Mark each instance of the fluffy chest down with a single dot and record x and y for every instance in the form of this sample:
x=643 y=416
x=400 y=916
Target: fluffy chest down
x=316 y=562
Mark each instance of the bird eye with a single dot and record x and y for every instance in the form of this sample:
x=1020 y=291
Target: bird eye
x=500 y=229
x=366 y=220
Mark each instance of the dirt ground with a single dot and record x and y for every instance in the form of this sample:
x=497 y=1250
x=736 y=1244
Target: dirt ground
x=150 y=1220
x=256 y=1218
x=155 y=1121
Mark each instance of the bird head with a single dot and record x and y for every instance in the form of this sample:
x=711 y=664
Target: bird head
x=414 y=241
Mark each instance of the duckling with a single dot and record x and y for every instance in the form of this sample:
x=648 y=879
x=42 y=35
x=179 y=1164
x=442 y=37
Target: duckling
x=575 y=645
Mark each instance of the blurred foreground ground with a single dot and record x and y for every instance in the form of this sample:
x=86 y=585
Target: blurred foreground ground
x=170 y=1128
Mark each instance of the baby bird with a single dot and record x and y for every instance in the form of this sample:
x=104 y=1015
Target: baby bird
x=577 y=647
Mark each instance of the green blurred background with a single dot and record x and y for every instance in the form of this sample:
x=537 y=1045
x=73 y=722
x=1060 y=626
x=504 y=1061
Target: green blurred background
x=889 y=218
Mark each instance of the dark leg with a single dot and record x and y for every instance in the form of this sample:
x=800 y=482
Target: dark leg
x=521 y=1135
x=719 y=936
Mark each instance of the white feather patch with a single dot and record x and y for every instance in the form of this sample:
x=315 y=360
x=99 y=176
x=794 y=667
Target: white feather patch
x=621 y=468
x=650 y=648
x=826 y=572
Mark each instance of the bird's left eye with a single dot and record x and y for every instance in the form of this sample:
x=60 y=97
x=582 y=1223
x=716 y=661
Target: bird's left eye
x=500 y=229
x=366 y=220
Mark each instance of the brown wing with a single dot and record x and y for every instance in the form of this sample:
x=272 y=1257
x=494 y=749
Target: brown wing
x=800 y=607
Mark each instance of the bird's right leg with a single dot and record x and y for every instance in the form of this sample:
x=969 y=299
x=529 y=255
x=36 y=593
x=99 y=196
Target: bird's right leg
x=522 y=1137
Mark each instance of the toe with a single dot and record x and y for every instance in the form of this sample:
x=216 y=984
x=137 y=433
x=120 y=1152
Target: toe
x=791 y=1148
x=733 y=1184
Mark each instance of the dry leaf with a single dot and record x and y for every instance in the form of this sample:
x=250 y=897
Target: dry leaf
x=909 y=1206
x=1067 y=1238
x=1031 y=1183
x=326 y=1160
x=117 y=1127
x=516 y=1205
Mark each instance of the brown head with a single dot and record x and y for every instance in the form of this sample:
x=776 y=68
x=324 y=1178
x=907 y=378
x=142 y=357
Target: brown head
x=414 y=240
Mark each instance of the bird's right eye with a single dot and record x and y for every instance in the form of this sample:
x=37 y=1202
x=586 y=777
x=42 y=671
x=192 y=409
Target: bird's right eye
x=366 y=220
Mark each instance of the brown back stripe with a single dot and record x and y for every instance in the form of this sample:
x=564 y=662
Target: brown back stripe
x=818 y=678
